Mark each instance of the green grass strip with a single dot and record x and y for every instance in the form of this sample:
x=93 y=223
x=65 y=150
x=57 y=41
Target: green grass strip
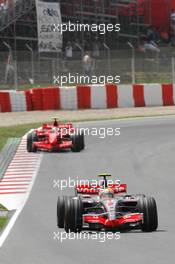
x=3 y=222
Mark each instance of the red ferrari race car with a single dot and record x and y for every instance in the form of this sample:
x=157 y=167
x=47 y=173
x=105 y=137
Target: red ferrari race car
x=106 y=206
x=55 y=137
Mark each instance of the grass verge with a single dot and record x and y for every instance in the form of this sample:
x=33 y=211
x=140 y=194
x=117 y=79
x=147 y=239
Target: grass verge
x=14 y=132
x=3 y=222
x=3 y=218
x=3 y=208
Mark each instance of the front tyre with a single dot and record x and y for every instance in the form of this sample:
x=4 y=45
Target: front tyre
x=73 y=215
x=147 y=206
x=60 y=211
x=82 y=141
x=77 y=142
x=31 y=138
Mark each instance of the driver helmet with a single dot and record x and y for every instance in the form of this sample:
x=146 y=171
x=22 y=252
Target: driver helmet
x=106 y=193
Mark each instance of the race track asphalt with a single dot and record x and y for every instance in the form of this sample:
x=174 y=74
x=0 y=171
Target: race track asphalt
x=143 y=156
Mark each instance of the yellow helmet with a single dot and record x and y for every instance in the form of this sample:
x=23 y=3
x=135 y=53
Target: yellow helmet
x=108 y=193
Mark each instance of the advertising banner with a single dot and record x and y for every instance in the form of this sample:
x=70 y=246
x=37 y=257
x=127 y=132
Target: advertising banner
x=48 y=15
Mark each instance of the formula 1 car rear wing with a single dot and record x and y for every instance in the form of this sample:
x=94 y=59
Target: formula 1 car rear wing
x=90 y=189
x=93 y=187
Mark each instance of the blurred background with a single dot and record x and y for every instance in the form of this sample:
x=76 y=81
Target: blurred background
x=142 y=52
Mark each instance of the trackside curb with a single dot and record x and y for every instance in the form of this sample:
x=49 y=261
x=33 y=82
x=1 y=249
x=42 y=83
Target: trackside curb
x=17 y=183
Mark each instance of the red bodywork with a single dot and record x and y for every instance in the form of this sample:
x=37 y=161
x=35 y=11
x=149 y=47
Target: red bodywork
x=54 y=140
x=128 y=218
x=91 y=189
x=104 y=219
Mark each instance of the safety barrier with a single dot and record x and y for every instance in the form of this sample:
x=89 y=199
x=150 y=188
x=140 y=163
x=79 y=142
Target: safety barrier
x=5 y=105
x=88 y=97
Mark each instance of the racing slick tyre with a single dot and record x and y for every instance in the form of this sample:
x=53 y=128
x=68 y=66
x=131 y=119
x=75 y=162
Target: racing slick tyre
x=73 y=215
x=31 y=137
x=78 y=142
x=82 y=140
x=61 y=211
x=147 y=206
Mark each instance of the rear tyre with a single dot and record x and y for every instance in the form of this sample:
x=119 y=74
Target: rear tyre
x=78 y=142
x=82 y=141
x=147 y=206
x=73 y=215
x=31 y=138
x=60 y=211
